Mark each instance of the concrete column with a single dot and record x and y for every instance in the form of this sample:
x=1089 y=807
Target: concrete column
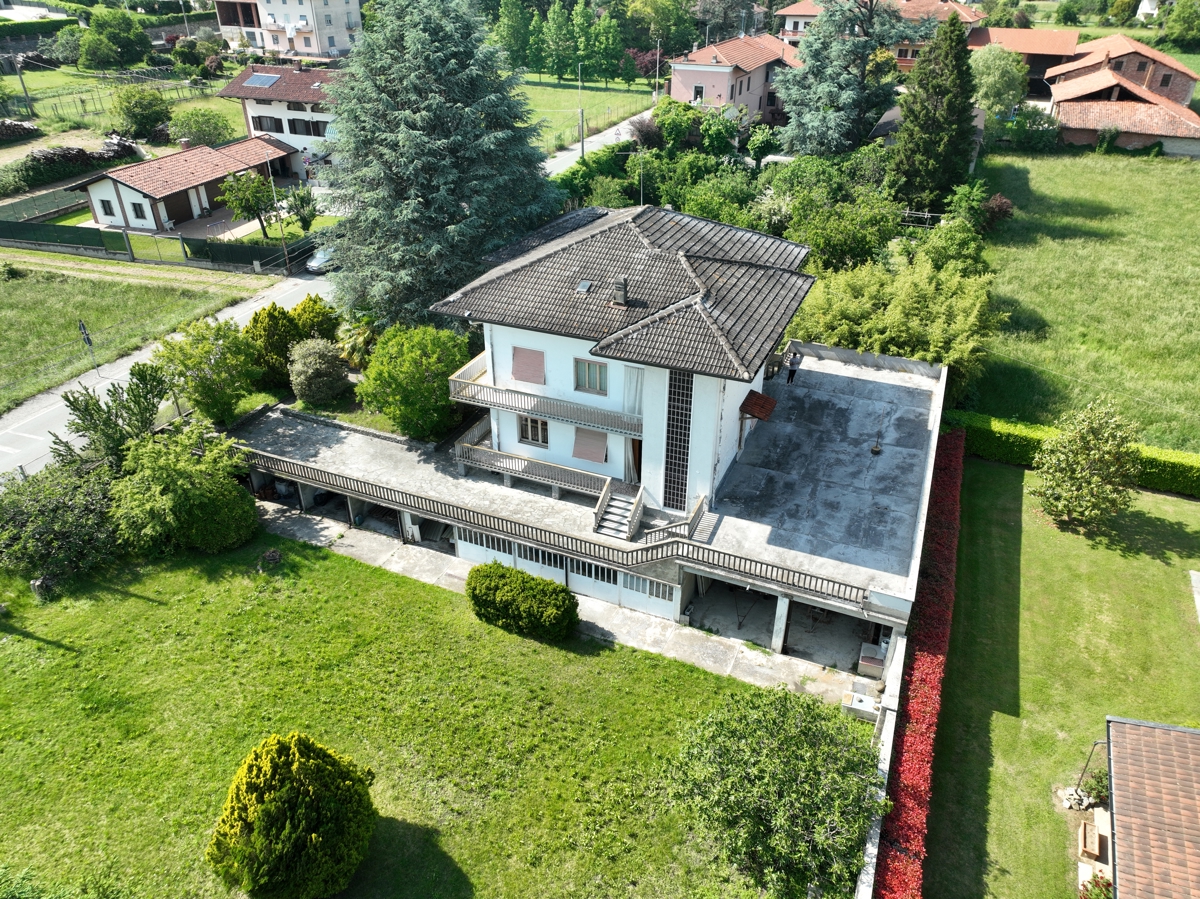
x=307 y=495
x=555 y=491
x=412 y=532
x=357 y=507
x=258 y=479
x=782 y=605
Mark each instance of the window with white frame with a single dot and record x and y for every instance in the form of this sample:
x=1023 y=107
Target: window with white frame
x=106 y=207
x=656 y=589
x=534 y=431
x=542 y=557
x=487 y=541
x=591 y=377
x=594 y=572
x=698 y=93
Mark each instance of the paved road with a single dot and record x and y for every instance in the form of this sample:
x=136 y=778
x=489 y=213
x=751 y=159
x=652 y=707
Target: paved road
x=564 y=159
x=25 y=431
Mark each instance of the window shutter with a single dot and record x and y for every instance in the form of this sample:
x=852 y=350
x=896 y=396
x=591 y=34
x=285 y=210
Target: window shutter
x=529 y=365
x=591 y=445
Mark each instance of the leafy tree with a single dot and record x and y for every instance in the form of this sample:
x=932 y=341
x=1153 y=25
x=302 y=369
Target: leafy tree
x=940 y=316
x=357 y=342
x=762 y=143
x=407 y=379
x=719 y=133
x=118 y=27
x=843 y=234
x=212 y=365
x=628 y=72
x=301 y=204
x=831 y=100
x=317 y=372
x=248 y=196
x=726 y=17
x=512 y=32
x=670 y=20
x=535 y=52
x=723 y=197
x=787 y=786
x=272 y=330
x=936 y=138
x=109 y=426
x=1089 y=468
x=173 y=498
x=1121 y=10
x=67 y=45
x=296 y=823
x=140 y=109
x=54 y=524
x=201 y=127
x=608 y=192
x=582 y=25
x=1183 y=27
x=955 y=243
x=1001 y=79
x=608 y=51
x=438 y=163
x=560 y=43
x=1067 y=13
x=315 y=318
x=675 y=120
x=1001 y=17
x=98 y=52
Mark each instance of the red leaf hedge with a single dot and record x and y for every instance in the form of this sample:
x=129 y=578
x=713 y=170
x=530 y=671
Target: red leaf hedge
x=902 y=846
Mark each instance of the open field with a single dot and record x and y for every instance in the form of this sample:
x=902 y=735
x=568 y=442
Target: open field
x=1100 y=271
x=1051 y=633
x=124 y=305
x=558 y=105
x=505 y=767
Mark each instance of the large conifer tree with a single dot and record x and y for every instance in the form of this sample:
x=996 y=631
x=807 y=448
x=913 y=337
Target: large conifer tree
x=833 y=100
x=437 y=163
x=934 y=142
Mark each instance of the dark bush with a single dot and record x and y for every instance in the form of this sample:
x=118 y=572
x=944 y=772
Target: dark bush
x=317 y=371
x=517 y=601
x=995 y=210
x=296 y=823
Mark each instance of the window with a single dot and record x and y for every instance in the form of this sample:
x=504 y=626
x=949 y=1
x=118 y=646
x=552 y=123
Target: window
x=902 y=53
x=657 y=589
x=139 y=210
x=528 y=365
x=591 y=446
x=275 y=39
x=106 y=207
x=264 y=102
x=304 y=20
x=306 y=128
x=308 y=42
x=541 y=556
x=1166 y=81
x=594 y=572
x=332 y=42
x=317 y=107
x=295 y=107
x=770 y=99
x=1142 y=66
x=915 y=53
x=698 y=93
x=328 y=19
x=267 y=123
x=287 y=17
x=739 y=89
x=495 y=544
x=534 y=431
x=591 y=377
x=349 y=20
x=351 y=35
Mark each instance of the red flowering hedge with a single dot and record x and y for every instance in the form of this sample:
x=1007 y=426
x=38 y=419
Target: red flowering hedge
x=902 y=846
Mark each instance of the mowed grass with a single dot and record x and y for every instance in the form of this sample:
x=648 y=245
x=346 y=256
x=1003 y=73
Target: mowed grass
x=1051 y=633
x=1100 y=271
x=124 y=307
x=556 y=105
x=505 y=767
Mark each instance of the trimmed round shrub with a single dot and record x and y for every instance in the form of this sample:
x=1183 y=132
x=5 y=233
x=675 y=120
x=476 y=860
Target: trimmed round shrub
x=317 y=371
x=272 y=330
x=520 y=602
x=296 y=823
x=316 y=318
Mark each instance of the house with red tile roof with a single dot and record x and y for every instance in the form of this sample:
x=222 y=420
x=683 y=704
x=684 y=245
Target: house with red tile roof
x=1132 y=60
x=739 y=71
x=157 y=194
x=1041 y=49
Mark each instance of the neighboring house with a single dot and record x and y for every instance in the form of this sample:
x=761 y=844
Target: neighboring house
x=289 y=104
x=1041 y=49
x=1105 y=100
x=739 y=71
x=1133 y=61
x=157 y=194
x=1148 y=9
x=320 y=29
x=795 y=19
x=1154 y=809
x=636 y=447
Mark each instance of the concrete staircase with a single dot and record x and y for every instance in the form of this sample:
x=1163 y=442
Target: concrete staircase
x=614 y=519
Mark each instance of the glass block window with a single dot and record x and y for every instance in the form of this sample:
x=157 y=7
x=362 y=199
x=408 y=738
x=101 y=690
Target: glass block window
x=679 y=426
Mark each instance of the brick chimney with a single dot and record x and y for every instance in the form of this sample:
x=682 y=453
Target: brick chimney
x=185 y=144
x=299 y=66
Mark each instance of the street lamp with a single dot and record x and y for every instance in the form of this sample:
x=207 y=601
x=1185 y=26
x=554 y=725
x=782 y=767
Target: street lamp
x=582 y=127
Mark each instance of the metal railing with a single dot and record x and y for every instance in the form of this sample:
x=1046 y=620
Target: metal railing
x=684 y=528
x=677 y=549
x=467 y=385
x=531 y=469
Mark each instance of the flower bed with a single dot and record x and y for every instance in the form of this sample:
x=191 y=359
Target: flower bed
x=902 y=847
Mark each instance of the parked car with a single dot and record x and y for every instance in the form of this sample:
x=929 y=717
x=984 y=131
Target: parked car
x=321 y=261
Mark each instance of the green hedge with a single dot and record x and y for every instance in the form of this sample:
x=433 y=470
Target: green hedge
x=38 y=26
x=522 y=603
x=1016 y=443
x=173 y=19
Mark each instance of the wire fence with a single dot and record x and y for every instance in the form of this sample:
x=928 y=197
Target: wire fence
x=560 y=127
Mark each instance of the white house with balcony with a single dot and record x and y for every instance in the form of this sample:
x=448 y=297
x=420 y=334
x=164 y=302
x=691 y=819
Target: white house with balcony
x=310 y=29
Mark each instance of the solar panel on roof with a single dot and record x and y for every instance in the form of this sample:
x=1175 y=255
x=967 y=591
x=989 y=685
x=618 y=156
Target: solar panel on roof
x=261 y=80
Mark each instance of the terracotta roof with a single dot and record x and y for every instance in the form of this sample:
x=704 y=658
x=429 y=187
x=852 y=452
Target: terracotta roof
x=304 y=86
x=1099 y=51
x=803 y=8
x=166 y=175
x=758 y=405
x=702 y=296
x=1036 y=42
x=745 y=53
x=1129 y=117
x=1155 y=796
x=940 y=10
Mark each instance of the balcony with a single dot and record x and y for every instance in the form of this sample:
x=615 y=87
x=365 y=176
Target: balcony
x=473 y=450
x=470 y=384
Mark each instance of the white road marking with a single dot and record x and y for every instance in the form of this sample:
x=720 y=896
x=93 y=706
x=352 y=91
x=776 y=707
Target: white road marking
x=29 y=436
x=5 y=449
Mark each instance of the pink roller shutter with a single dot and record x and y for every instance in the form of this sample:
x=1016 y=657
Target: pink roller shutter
x=591 y=445
x=529 y=365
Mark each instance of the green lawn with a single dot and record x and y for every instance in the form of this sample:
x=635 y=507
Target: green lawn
x=71 y=219
x=1051 y=633
x=556 y=104
x=230 y=110
x=1100 y=271
x=505 y=767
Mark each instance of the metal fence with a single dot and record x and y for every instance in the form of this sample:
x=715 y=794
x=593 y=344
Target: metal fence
x=52 y=202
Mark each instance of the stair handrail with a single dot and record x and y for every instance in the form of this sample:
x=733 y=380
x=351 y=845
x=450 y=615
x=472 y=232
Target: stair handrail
x=635 y=517
x=682 y=528
x=598 y=512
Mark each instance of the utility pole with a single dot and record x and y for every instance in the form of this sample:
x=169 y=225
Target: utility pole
x=24 y=89
x=87 y=341
x=287 y=265
x=582 y=127
x=186 y=30
x=657 y=66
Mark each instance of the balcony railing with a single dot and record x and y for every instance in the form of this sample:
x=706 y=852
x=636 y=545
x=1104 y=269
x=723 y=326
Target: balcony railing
x=467 y=452
x=469 y=385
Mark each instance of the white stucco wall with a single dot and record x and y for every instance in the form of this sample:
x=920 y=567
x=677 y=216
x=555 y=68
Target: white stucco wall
x=654 y=434
x=105 y=190
x=562 y=444
x=727 y=430
x=130 y=196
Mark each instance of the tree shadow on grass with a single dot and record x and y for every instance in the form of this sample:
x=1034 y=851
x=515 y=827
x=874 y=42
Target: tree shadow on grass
x=407 y=861
x=8 y=629
x=1137 y=533
x=1011 y=389
x=1056 y=218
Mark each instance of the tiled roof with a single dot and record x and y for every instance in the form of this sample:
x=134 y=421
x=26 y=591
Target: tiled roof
x=1033 y=41
x=1155 y=796
x=803 y=8
x=564 y=224
x=304 y=86
x=940 y=10
x=1129 y=117
x=745 y=52
x=166 y=175
x=702 y=296
x=1116 y=45
x=1091 y=82
x=758 y=405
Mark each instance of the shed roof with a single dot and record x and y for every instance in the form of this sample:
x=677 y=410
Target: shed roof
x=702 y=296
x=298 y=85
x=1155 y=796
x=1030 y=41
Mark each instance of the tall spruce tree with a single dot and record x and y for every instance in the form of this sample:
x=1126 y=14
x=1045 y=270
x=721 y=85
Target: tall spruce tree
x=832 y=99
x=512 y=32
x=437 y=160
x=559 y=40
x=934 y=142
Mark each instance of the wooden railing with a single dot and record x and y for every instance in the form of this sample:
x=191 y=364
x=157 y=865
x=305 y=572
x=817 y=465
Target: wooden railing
x=678 y=549
x=467 y=386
